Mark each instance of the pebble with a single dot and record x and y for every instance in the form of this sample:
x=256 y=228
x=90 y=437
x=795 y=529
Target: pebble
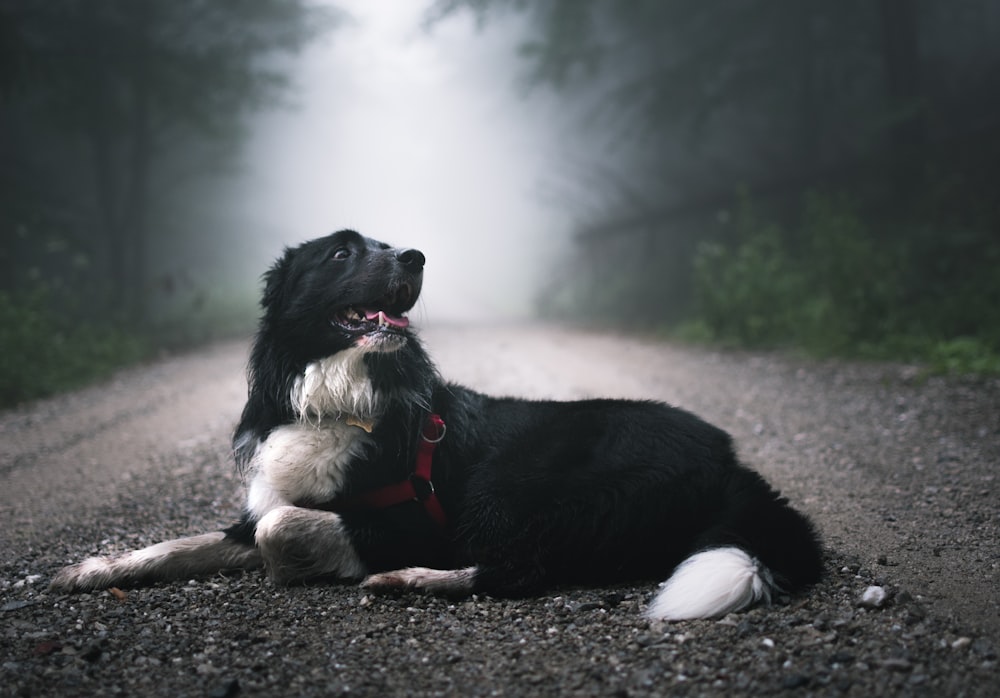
x=961 y=643
x=250 y=638
x=897 y=664
x=873 y=597
x=227 y=689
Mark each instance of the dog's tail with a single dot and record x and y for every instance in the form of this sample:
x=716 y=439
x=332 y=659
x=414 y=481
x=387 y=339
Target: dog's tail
x=182 y=558
x=760 y=547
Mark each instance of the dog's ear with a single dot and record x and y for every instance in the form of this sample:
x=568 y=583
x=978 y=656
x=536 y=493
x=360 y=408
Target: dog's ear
x=269 y=379
x=276 y=282
x=269 y=373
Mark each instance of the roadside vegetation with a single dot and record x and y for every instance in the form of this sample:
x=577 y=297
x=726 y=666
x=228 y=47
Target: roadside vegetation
x=120 y=123
x=819 y=177
x=829 y=286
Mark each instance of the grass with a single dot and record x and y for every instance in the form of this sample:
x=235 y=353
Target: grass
x=46 y=347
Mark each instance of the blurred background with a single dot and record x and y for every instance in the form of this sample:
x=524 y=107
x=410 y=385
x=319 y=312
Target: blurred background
x=795 y=174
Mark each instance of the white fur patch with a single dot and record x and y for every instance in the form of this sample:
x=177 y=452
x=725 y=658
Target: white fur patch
x=174 y=559
x=334 y=386
x=710 y=584
x=299 y=544
x=449 y=582
x=302 y=462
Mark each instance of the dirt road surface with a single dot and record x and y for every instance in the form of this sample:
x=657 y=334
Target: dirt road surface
x=898 y=470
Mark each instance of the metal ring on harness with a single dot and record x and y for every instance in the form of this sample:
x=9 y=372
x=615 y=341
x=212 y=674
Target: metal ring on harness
x=440 y=437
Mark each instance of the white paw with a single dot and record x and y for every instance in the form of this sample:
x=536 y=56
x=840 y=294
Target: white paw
x=458 y=582
x=92 y=573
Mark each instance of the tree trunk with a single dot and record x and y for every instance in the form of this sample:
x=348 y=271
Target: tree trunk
x=99 y=112
x=901 y=62
x=808 y=112
x=120 y=135
x=138 y=164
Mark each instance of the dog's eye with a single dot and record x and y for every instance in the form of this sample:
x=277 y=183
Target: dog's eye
x=342 y=253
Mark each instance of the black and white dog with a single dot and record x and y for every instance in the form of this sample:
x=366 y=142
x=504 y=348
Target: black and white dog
x=362 y=464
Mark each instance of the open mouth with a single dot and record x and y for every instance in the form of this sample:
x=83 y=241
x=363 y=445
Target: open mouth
x=385 y=314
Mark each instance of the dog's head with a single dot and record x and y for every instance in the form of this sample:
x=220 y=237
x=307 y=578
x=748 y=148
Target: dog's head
x=334 y=341
x=341 y=291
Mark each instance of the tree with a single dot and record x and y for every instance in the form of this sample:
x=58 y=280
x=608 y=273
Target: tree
x=894 y=104
x=99 y=95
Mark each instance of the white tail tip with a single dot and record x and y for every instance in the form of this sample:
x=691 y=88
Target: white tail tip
x=710 y=584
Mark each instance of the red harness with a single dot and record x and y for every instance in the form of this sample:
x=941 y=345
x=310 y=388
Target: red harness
x=418 y=486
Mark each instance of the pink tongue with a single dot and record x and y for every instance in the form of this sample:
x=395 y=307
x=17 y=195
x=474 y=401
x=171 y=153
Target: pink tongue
x=384 y=319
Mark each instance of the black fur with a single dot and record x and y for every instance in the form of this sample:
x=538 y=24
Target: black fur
x=537 y=493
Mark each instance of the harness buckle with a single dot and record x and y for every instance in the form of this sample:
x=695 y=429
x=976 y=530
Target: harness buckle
x=422 y=488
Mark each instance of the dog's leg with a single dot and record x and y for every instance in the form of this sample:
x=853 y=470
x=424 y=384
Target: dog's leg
x=299 y=544
x=510 y=581
x=174 y=559
x=459 y=582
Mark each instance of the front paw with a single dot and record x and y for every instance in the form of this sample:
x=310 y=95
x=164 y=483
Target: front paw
x=392 y=581
x=448 y=582
x=91 y=574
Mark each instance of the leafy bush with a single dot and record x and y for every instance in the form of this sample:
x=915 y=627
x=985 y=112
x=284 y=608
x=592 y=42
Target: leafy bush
x=964 y=355
x=748 y=294
x=44 y=351
x=832 y=287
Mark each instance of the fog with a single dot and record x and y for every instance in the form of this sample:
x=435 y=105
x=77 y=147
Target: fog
x=762 y=174
x=420 y=138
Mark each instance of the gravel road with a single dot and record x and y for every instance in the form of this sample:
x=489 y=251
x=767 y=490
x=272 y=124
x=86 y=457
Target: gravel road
x=899 y=471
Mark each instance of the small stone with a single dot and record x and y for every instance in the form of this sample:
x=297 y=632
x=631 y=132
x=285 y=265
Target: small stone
x=649 y=639
x=227 y=689
x=961 y=643
x=43 y=649
x=984 y=648
x=841 y=658
x=795 y=681
x=612 y=599
x=897 y=664
x=873 y=597
x=92 y=652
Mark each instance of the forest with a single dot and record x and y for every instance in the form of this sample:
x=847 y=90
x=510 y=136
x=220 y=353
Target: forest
x=116 y=116
x=782 y=174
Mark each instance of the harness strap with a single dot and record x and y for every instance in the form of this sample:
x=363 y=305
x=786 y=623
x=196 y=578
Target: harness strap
x=418 y=486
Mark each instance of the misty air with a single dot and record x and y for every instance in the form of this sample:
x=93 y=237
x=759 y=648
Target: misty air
x=579 y=223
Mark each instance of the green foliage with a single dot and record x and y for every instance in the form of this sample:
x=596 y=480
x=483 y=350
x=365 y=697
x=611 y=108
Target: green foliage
x=964 y=355
x=115 y=114
x=743 y=292
x=43 y=351
x=829 y=286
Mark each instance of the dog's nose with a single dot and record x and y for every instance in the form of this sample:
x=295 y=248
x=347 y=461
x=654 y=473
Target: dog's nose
x=413 y=260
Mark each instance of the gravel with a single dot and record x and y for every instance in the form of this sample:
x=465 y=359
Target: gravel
x=897 y=469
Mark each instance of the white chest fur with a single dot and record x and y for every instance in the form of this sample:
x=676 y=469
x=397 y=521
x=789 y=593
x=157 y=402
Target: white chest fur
x=302 y=462
x=334 y=386
x=308 y=460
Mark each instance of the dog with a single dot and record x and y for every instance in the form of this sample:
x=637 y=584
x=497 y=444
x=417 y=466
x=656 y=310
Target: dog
x=362 y=465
